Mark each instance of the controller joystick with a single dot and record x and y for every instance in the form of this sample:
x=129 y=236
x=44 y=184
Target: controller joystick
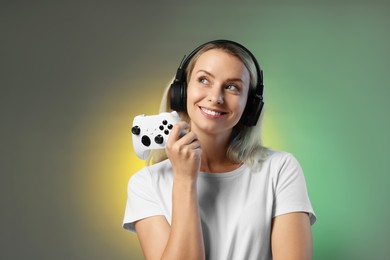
x=151 y=132
x=135 y=130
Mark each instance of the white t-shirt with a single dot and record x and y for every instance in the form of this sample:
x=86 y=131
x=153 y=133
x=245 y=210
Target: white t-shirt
x=236 y=207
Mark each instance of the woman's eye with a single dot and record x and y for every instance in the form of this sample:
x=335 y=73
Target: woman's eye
x=203 y=80
x=232 y=88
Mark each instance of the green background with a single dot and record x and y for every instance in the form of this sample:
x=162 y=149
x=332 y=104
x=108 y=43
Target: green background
x=74 y=74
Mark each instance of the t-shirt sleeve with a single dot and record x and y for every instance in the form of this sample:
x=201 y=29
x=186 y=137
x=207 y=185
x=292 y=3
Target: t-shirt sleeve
x=290 y=189
x=141 y=199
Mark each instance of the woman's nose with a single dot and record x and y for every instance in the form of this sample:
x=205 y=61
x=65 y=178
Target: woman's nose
x=216 y=96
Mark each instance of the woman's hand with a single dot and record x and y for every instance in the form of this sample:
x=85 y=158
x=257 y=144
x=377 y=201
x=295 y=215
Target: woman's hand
x=184 y=151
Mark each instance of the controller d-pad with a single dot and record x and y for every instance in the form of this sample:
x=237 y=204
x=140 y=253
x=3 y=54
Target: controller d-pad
x=145 y=140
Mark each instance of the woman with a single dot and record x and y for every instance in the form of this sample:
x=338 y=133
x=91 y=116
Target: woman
x=219 y=194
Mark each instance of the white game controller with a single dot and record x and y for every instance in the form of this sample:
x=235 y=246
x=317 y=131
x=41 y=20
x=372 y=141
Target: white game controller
x=151 y=132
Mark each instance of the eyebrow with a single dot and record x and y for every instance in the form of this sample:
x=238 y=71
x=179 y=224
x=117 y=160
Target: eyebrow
x=211 y=75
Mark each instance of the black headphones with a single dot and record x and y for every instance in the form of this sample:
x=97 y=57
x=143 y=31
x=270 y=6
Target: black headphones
x=254 y=105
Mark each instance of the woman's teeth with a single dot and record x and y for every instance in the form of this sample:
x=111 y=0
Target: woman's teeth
x=211 y=112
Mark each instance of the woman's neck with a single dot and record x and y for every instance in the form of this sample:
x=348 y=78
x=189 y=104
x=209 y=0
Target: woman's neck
x=214 y=153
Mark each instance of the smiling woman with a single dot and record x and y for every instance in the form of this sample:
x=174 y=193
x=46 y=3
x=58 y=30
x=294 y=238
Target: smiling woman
x=217 y=192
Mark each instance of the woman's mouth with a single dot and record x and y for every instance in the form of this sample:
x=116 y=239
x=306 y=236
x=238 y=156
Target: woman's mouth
x=212 y=113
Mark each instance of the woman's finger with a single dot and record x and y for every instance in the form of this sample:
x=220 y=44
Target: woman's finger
x=177 y=131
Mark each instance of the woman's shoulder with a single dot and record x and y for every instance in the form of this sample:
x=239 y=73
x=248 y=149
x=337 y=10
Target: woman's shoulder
x=278 y=155
x=283 y=163
x=161 y=169
x=278 y=158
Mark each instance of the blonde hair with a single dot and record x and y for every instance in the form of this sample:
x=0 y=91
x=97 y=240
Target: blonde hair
x=245 y=145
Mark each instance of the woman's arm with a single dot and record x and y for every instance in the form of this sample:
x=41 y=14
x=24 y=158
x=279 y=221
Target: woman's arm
x=183 y=239
x=153 y=234
x=291 y=237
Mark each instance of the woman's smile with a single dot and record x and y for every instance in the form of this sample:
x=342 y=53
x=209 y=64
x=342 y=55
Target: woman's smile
x=212 y=113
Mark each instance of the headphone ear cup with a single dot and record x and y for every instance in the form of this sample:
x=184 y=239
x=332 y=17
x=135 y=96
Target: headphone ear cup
x=252 y=110
x=178 y=96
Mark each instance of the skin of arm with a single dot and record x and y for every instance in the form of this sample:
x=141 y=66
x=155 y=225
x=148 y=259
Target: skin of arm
x=183 y=239
x=291 y=237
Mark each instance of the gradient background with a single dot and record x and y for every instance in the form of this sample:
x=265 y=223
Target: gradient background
x=73 y=75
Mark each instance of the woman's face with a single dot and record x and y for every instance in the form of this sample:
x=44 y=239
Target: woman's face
x=217 y=92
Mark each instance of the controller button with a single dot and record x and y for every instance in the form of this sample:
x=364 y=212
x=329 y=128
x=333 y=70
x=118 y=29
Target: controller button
x=166 y=132
x=159 y=139
x=145 y=140
x=165 y=122
x=170 y=126
x=161 y=127
x=136 y=130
